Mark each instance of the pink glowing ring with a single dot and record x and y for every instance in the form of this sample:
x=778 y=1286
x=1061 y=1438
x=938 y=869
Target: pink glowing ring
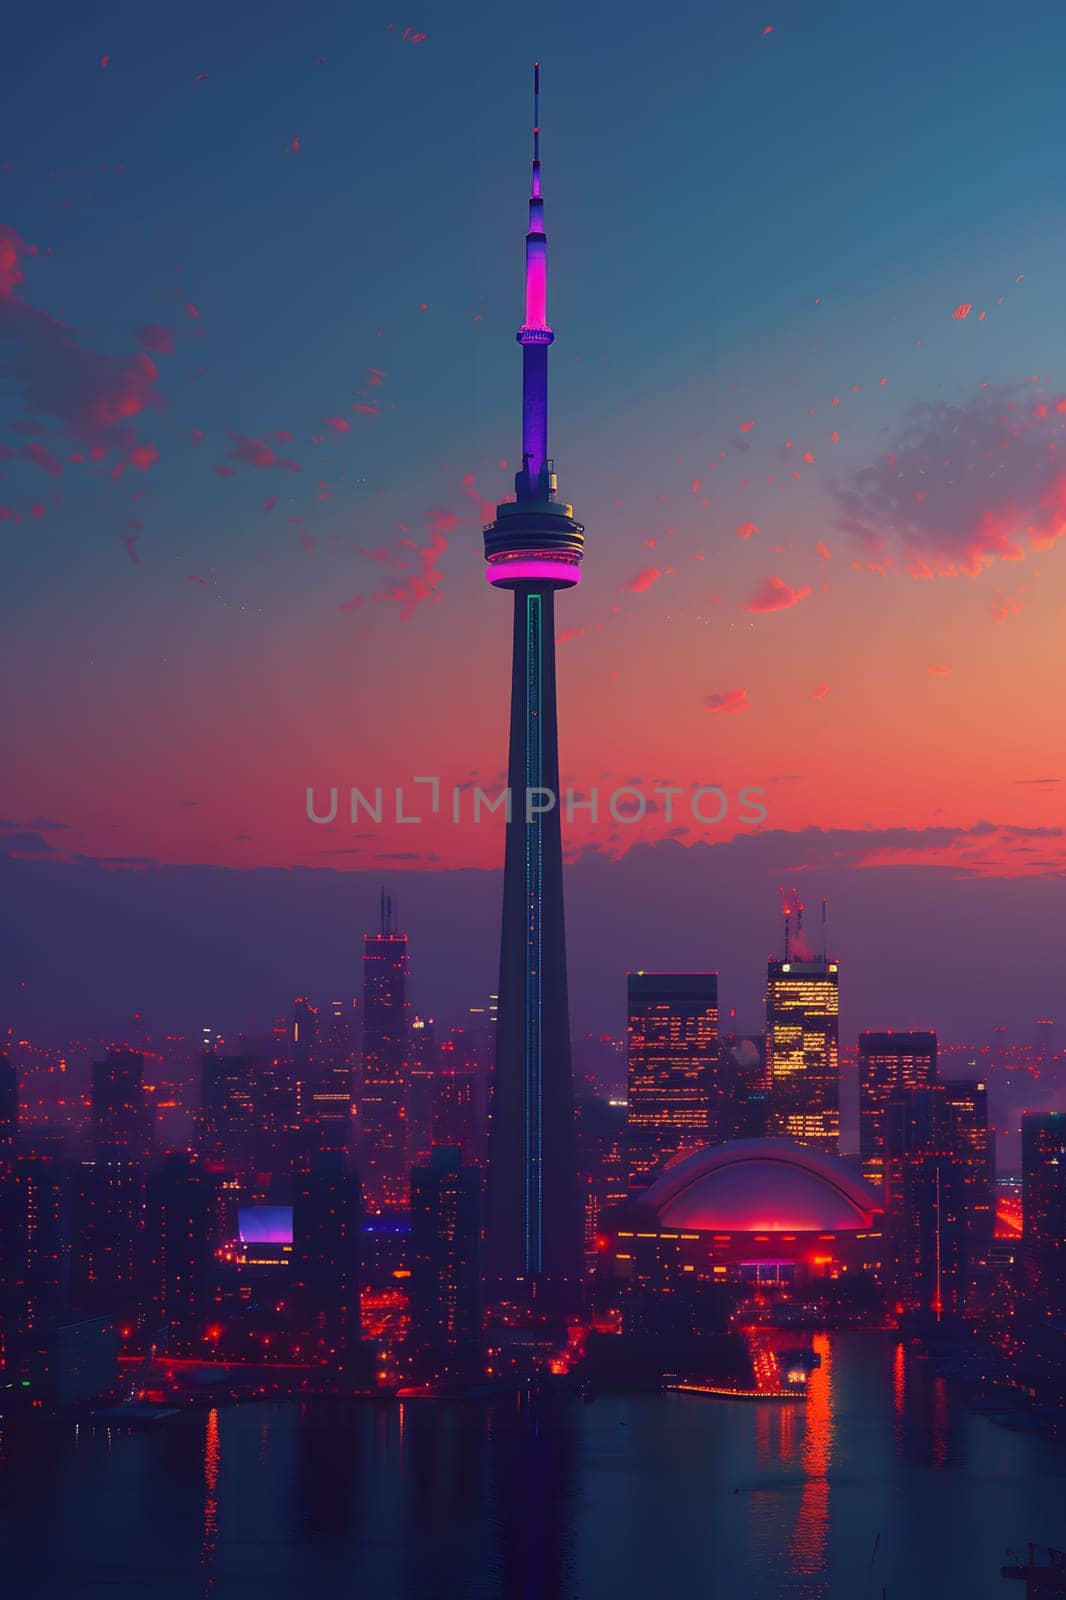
x=566 y=572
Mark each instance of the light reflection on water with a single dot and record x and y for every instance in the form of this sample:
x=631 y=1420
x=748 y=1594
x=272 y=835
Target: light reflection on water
x=880 y=1482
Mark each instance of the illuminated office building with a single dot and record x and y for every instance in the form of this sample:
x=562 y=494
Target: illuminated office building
x=602 y=1165
x=386 y=1066
x=324 y=1073
x=230 y=1111
x=939 y=1173
x=445 y=1263
x=454 y=1111
x=1044 y=1208
x=107 y=1237
x=802 y=1050
x=35 y=1226
x=121 y=1114
x=888 y=1063
x=673 y=1058
x=181 y=1213
x=421 y=1076
x=326 y=1256
x=9 y=1107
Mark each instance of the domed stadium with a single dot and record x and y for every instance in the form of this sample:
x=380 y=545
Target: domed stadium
x=760 y=1211
x=761 y=1186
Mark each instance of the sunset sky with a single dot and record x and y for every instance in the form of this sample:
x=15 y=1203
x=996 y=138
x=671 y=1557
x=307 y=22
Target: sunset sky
x=260 y=273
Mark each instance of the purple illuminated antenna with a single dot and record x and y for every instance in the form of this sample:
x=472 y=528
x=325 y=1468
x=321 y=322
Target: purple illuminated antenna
x=534 y=335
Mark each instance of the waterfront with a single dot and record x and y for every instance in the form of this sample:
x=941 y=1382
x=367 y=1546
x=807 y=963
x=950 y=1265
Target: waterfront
x=882 y=1483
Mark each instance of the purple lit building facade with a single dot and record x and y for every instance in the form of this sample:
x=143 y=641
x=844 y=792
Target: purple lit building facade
x=533 y=548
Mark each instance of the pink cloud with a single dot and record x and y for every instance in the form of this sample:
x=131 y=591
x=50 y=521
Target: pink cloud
x=746 y=529
x=1004 y=606
x=821 y=692
x=257 y=453
x=143 y=456
x=643 y=580
x=728 y=701
x=442 y=521
x=338 y=424
x=423 y=587
x=774 y=594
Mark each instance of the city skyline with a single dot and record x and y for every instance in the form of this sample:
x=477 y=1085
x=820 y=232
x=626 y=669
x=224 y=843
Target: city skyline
x=659 y=682
x=381 y=1225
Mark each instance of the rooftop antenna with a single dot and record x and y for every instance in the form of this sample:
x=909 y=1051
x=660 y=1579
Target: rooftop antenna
x=786 y=907
x=536 y=127
x=825 y=946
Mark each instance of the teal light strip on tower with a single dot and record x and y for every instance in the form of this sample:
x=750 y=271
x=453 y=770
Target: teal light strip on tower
x=534 y=900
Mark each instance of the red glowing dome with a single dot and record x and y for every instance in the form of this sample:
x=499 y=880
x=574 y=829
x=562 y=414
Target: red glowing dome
x=761 y=1186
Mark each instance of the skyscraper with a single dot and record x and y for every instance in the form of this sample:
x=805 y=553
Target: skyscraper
x=386 y=1058
x=888 y=1062
x=326 y=1251
x=672 y=1067
x=802 y=1050
x=1044 y=1207
x=533 y=548
x=445 y=1264
x=229 y=1111
x=938 y=1187
x=181 y=1209
x=122 y=1117
x=9 y=1106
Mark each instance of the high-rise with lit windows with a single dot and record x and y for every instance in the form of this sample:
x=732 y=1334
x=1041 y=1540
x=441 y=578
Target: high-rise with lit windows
x=888 y=1062
x=1044 y=1207
x=386 y=1061
x=802 y=1050
x=121 y=1114
x=673 y=1057
x=445 y=1262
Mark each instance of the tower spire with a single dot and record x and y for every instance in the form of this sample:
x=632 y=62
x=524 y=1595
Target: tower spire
x=532 y=482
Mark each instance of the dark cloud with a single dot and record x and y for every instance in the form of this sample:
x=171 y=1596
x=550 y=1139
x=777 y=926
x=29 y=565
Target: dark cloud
x=96 y=940
x=962 y=486
x=26 y=843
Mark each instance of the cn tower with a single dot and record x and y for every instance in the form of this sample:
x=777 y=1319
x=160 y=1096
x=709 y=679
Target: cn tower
x=533 y=548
